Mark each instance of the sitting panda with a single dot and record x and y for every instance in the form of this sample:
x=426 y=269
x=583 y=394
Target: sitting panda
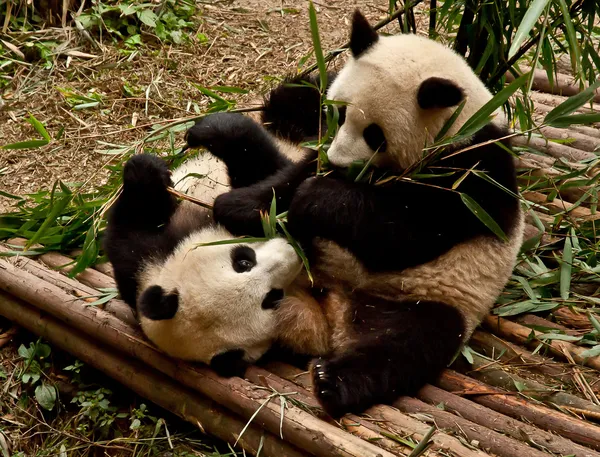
x=407 y=270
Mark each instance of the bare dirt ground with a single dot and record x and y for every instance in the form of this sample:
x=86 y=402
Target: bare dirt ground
x=248 y=44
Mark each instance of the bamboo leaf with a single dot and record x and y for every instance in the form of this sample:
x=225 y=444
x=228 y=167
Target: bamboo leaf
x=39 y=127
x=26 y=144
x=57 y=209
x=565 y=269
x=483 y=216
x=566 y=121
x=574 y=51
x=558 y=336
x=450 y=122
x=572 y=103
x=482 y=116
x=592 y=352
x=316 y=39
x=529 y=20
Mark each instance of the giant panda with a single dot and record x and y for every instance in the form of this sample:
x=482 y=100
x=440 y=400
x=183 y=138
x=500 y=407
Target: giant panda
x=406 y=270
x=220 y=303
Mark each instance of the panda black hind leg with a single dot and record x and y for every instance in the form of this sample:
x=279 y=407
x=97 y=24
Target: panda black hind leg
x=395 y=348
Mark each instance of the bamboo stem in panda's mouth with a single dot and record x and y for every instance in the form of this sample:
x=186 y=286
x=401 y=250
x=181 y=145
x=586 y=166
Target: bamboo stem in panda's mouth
x=189 y=198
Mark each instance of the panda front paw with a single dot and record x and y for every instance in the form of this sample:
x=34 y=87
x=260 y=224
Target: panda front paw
x=146 y=173
x=218 y=132
x=342 y=388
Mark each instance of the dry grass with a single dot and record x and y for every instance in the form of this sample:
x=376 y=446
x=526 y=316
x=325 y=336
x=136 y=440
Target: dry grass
x=248 y=44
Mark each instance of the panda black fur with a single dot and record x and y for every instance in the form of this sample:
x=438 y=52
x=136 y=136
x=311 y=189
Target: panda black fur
x=409 y=270
x=216 y=304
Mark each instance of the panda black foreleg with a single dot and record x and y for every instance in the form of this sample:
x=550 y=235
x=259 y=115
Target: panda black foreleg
x=239 y=210
x=398 y=348
x=246 y=148
x=137 y=220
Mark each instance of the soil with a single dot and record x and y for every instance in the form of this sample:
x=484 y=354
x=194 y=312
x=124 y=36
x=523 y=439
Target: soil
x=250 y=44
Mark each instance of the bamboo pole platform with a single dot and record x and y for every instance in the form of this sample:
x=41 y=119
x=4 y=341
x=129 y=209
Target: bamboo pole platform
x=517 y=403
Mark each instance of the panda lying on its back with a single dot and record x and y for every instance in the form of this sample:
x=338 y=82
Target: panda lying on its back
x=410 y=270
x=216 y=304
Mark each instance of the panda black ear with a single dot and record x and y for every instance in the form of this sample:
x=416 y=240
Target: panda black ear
x=439 y=93
x=362 y=36
x=154 y=304
x=230 y=363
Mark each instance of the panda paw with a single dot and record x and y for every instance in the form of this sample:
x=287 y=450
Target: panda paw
x=218 y=132
x=146 y=173
x=340 y=388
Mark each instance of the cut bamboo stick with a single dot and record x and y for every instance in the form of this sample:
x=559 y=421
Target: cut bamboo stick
x=495 y=421
x=568 y=427
x=520 y=334
x=569 y=317
x=556 y=150
x=563 y=84
x=511 y=353
x=579 y=140
x=493 y=375
x=391 y=419
x=204 y=413
x=489 y=440
x=300 y=428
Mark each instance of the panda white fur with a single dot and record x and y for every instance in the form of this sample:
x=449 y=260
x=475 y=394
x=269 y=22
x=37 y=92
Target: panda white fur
x=216 y=304
x=406 y=268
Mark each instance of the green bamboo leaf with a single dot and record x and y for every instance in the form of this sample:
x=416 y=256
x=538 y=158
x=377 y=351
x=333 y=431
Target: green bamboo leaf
x=558 y=336
x=565 y=269
x=594 y=322
x=483 y=216
x=58 y=207
x=39 y=127
x=234 y=241
x=572 y=103
x=529 y=20
x=26 y=144
x=230 y=89
x=316 y=39
x=91 y=249
x=592 y=352
x=574 y=51
x=450 y=122
x=566 y=121
x=482 y=116
x=298 y=250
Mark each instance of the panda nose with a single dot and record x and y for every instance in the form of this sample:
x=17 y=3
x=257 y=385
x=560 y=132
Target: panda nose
x=272 y=299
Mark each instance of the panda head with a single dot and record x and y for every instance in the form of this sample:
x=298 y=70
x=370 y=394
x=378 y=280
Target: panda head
x=216 y=304
x=399 y=92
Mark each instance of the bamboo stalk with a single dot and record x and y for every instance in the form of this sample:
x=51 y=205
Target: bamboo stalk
x=494 y=375
x=354 y=424
x=563 y=84
x=493 y=420
x=520 y=334
x=569 y=317
x=557 y=150
x=188 y=405
x=493 y=346
x=300 y=428
x=389 y=418
x=580 y=140
x=568 y=427
x=491 y=441
x=560 y=206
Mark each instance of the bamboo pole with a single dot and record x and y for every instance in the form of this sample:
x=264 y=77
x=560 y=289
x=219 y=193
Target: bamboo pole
x=563 y=84
x=390 y=418
x=511 y=353
x=553 y=149
x=560 y=206
x=299 y=427
x=188 y=405
x=520 y=334
x=574 y=429
x=569 y=317
x=494 y=375
x=487 y=439
x=493 y=420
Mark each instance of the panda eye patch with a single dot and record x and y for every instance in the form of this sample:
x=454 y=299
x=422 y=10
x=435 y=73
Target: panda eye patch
x=243 y=259
x=342 y=115
x=375 y=138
